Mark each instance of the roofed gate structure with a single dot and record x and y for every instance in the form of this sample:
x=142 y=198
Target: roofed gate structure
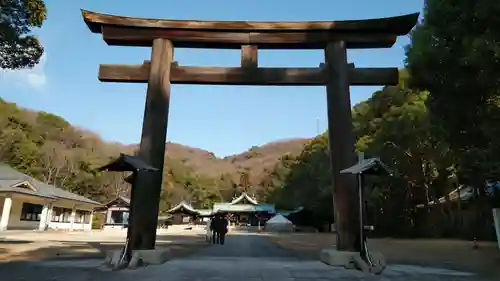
x=335 y=37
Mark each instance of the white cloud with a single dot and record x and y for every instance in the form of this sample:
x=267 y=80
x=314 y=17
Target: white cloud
x=34 y=77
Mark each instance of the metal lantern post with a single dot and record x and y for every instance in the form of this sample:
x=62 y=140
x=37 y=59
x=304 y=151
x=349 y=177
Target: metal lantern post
x=127 y=163
x=365 y=166
x=362 y=246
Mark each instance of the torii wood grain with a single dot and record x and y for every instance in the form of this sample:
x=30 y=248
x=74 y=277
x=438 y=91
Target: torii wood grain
x=370 y=33
x=241 y=76
x=341 y=141
x=143 y=37
x=249 y=56
x=147 y=185
x=399 y=25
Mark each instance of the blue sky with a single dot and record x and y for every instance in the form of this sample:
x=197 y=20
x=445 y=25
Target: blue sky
x=222 y=119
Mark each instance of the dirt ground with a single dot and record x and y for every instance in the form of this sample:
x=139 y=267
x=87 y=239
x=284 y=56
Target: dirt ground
x=17 y=246
x=453 y=254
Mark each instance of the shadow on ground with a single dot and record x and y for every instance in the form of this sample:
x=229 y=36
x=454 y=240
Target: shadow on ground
x=10 y=241
x=180 y=245
x=443 y=253
x=450 y=254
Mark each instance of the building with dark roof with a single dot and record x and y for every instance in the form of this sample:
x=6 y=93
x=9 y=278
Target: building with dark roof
x=117 y=211
x=243 y=209
x=27 y=203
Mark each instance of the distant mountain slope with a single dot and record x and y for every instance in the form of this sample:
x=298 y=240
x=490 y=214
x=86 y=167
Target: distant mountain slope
x=52 y=150
x=257 y=160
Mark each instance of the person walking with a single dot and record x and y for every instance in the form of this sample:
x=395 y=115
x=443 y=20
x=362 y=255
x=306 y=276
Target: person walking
x=223 y=230
x=208 y=229
x=215 y=225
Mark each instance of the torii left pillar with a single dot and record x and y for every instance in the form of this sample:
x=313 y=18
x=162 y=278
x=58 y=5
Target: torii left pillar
x=147 y=185
x=341 y=141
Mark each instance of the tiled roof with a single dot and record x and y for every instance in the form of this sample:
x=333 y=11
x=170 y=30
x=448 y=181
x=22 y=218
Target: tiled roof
x=127 y=163
x=288 y=212
x=229 y=207
x=184 y=206
x=244 y=195
x=205 y=212
x=122 y=198
x=10 y=177
x=466 y=193
x=372 y=166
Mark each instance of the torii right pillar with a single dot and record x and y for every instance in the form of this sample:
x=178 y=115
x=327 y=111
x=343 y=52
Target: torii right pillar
x=341 y=141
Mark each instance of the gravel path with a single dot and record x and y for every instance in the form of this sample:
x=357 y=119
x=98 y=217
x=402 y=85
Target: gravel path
x=245 y=256
x=244 y=244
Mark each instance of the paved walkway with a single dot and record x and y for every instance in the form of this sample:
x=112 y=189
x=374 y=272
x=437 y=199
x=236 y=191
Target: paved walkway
x=244 y=244
x=245 y=256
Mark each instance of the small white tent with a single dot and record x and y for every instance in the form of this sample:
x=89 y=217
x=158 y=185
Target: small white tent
x=279 y=223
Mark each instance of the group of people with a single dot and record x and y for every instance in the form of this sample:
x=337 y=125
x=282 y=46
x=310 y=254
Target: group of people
x=217 y=227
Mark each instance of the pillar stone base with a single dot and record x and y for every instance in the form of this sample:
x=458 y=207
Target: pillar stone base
x=353 y=260
x=139 y=258
x=336 y=258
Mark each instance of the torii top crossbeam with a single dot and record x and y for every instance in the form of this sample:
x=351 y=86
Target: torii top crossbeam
x=370 y=33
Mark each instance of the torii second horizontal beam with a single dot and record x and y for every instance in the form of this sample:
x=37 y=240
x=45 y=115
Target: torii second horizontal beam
x=196 y=75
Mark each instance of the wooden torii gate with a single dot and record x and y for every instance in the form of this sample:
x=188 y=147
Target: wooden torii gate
x=335 y=37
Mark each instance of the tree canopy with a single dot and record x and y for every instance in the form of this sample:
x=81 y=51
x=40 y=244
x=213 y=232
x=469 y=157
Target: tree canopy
x=395 y=125
x=48 y=148
x=18 y=47
x=455 y=55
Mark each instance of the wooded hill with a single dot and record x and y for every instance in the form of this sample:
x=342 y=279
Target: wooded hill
x=49 y=148
x=256 y=161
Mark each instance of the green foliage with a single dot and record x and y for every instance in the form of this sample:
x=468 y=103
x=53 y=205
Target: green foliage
x=397 y=129
x=394 y=124
x=48 y=148
x=304 y=180
x=181 y=183
x=17 y=18
x=98 y=220
x=43 y=145
x=437 y=129
x=455 y=54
